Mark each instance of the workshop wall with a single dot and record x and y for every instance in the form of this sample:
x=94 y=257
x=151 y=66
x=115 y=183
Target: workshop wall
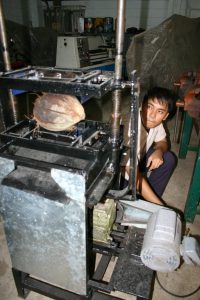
x=24 y=12
x=139 y=13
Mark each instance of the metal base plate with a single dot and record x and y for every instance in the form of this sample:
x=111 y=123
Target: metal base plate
x=130 y=274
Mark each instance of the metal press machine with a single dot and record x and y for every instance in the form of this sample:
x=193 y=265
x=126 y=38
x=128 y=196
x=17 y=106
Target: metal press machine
x=60 y=197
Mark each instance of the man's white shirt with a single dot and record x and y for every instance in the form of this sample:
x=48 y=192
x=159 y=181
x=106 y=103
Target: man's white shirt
x=145 y=140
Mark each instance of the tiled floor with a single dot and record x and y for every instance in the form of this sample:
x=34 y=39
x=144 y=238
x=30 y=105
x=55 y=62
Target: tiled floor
x=180 y=282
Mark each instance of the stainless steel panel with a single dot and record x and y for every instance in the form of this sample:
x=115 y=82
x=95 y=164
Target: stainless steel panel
x=47 y=238
x=6 y=166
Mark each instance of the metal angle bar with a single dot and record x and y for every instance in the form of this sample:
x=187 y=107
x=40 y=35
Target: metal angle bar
x=101 y=286
x=88 y=154
x=101 y=296
x=31 y=163
x=49 y=290
x=105 y=249
x=16 y=71
x=19 y=279
x=102 y=266
x=99 y=189
x=61 y=87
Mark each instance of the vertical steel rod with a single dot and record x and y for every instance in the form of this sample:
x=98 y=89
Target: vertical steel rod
x=4 y=45
x=135 y=89
x=6 y=58
x=116 y=95
x=120 y=39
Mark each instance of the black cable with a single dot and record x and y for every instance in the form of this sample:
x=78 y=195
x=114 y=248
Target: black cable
x=175 y=295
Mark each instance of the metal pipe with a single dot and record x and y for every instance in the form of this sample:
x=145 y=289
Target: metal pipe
x=120 y=39
x=6 y=59
x=116 y=95
x=4 y=46
x=135 y=90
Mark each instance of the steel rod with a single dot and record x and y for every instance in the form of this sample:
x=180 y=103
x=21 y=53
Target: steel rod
x=120 y=39
x=135 y=89
x=116 y=96
x=6 y=59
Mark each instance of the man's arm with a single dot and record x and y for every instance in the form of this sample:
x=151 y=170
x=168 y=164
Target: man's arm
x=155 y=160
x=161 y=145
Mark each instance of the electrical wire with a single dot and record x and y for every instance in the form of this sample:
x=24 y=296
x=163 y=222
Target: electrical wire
x=175 y=295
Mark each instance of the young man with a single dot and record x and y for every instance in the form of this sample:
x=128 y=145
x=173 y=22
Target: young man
x=153 y=152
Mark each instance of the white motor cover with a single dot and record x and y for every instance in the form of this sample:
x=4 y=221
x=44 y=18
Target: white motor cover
x=161 y=245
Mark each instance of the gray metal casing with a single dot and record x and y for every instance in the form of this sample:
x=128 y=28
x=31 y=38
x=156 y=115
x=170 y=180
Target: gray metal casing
x=46 y=237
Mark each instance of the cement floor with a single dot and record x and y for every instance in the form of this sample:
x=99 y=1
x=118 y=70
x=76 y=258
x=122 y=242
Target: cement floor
x=182 y=281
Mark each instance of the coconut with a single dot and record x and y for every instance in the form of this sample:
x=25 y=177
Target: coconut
x=57 y=112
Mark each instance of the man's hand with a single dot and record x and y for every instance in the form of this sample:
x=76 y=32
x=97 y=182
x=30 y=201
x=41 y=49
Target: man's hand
x=155 y=160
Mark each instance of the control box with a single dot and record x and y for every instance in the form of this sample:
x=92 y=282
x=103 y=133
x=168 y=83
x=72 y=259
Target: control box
x=72 y=52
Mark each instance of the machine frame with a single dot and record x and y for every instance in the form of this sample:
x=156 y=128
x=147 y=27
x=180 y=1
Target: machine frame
x=130 y=275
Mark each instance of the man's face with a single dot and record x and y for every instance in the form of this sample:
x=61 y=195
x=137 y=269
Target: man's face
x=153 y=113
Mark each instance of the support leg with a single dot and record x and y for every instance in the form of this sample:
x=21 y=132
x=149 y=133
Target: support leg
x=19 y=280
x=186 y=133
x=176 y=125
x=193 y=198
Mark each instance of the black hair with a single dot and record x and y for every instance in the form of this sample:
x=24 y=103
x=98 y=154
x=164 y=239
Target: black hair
x=163 y=95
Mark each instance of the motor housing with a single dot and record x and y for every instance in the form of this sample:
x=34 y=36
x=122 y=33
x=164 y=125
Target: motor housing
x=162 y=239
